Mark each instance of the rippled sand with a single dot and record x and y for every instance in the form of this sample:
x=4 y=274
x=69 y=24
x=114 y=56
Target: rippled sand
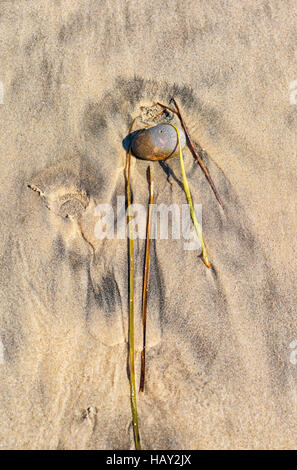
x=220 y=358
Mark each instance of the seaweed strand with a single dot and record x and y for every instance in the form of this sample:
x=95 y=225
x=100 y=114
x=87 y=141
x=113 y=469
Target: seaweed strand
x=189 y=198
x=193 y=149
x=146 y=275
x=131 y=307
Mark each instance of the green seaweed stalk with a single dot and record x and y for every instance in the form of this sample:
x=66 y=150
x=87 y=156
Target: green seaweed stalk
x=131 y=310
x=189 y=198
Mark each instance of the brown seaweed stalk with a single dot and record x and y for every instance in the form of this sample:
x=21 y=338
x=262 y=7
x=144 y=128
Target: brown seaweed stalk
x=146 y=275
x=192 y=148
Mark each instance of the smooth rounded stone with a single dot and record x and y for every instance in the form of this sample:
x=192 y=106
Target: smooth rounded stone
x=157 y=143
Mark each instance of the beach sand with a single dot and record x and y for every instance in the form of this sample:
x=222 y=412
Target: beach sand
x=221 y=372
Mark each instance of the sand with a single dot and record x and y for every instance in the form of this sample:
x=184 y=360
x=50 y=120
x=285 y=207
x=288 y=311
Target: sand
x=220 y=352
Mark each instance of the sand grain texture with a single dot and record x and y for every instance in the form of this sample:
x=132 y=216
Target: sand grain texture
x=218 y=359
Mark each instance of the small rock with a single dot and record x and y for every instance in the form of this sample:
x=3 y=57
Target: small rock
x=157 y=143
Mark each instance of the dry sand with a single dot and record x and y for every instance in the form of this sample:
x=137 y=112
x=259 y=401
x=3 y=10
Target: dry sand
x=219 y=374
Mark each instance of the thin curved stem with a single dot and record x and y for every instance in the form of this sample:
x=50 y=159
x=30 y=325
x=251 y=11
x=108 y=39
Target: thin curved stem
x=146 y=275
x=189 y=198
x=131 y=310
x=193 y=149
